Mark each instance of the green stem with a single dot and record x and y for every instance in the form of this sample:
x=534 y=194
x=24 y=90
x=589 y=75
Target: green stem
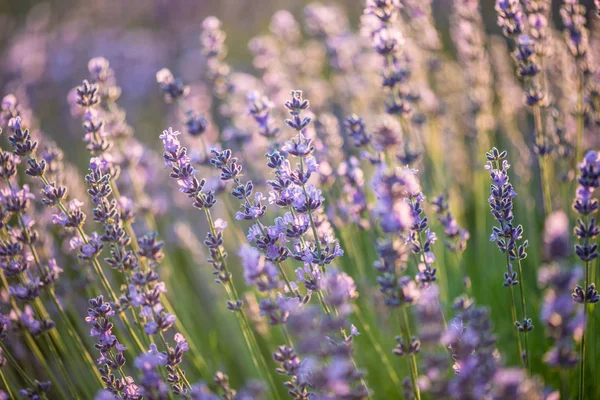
x=513 y=311
x=38 y=354
x=412 y=360
x=382 y=355
x=72 y=332
x=582 y=346
x=523 y=308
x=16 y=365
x=6 y=386
x=580 y=126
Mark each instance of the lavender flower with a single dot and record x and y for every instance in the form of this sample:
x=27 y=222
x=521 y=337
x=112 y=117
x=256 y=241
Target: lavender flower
x=576 y=34
x=468 y=34
x=173 y=89
x=111 y=350
x=419 y=246
x=564 y=322
x=506 y=236
x=457 y=236
x=39 y=390
x=585 y=205
x=470 y=338
x=327 y=367
x=510 y=17
x=556 y=237
x=151 y=384
x=260 y=109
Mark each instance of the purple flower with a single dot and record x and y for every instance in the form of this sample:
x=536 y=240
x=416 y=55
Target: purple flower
x=564 y=321
x=557 y=236
x=392 y=189
x=28 y=320
x=258 y=271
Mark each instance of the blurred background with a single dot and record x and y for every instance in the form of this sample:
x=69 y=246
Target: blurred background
x=45 y=47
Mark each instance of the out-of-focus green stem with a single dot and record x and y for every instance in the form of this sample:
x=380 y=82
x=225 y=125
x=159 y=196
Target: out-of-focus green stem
x=411 y=358
x=580 y=126
x=543 y=161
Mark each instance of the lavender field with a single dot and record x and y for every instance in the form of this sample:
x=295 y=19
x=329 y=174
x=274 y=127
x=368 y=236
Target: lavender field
x=357 y=199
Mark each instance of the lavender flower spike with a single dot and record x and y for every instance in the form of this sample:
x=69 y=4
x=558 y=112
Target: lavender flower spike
x=507 y=236
x=586 y=231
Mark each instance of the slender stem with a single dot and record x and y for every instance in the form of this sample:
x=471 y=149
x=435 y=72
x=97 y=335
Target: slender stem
x=523 y=308
x=16 y=365
x=582 y=346
x=73 y=333
x=412 y=360
x=382 y=355
x=38 y=354
x=564 y=384
x=513 y=311
x=61 y=366
x=6 y=386
x=463 y=268
x=543 y=160
x=323 y=303
x=580 y=126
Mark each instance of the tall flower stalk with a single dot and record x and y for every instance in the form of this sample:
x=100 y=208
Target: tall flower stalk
x=507 y=238
x=577 y=39
x=512 y=20
x=175 y=157
x=586 y=231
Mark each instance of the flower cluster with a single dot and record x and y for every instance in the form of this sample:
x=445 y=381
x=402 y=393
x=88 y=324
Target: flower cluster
x=457 y=237
x=563 y=321
x=506 y=236
x=290 y=237
x=111 y=350
x=327 y=365
x=587 y=229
